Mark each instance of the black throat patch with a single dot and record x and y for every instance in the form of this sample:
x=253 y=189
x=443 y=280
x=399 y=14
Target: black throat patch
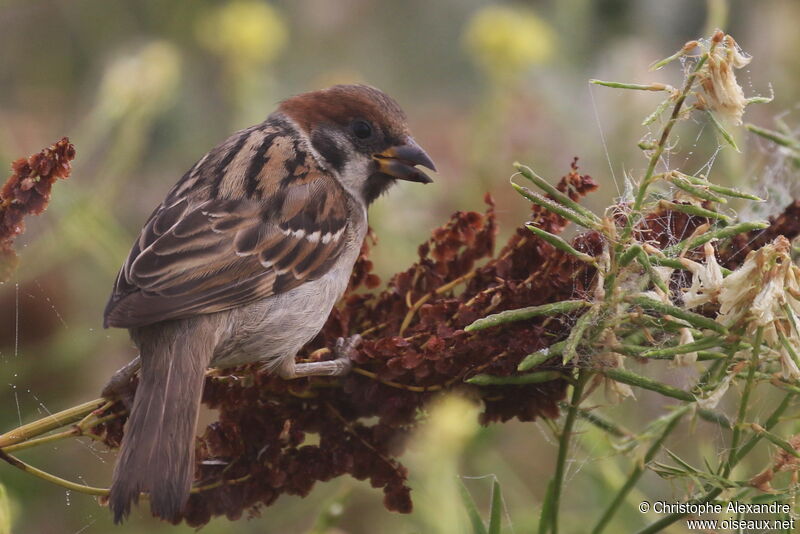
x=376 y=185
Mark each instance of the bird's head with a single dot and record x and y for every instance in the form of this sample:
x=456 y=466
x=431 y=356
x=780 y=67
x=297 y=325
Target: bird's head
x=362 y=134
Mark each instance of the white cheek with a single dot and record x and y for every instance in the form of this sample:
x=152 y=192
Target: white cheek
x=354 y=173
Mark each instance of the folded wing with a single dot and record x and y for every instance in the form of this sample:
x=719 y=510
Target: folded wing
x=196 y=257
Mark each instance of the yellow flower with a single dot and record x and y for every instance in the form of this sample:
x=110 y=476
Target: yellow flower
x=244 y=33
x=453 y=422
x=436 y=453
x=147 y=79
x=504 y=41
x=5 y=512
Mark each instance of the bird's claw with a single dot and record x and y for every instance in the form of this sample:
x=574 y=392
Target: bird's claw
x=345 y=347
x=121 y=385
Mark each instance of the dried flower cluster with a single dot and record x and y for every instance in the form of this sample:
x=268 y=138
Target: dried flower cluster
x=782 y=461
x=721 y=92
x=414 y=345
x=275 y=437
x=26 y=192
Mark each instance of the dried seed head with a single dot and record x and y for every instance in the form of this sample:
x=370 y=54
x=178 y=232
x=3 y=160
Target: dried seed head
x=689 y=358
x=722 y=93
x=706 y=279
x=608 y=359
x=758 y=290
x=710 y=401
x=761 y=294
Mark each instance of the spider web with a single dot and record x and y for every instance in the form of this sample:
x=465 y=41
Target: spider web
x=27 y=389
x=769 y=176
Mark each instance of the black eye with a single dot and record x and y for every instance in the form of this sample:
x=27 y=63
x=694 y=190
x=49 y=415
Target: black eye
x=361 y=129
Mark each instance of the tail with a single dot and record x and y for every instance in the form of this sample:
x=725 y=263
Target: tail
x=157 y=453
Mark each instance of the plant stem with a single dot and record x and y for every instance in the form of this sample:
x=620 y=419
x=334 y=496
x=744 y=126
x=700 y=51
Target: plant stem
x=80 y=488
x=659 y=151
x=563 y=446
x=748 y=388
x=771 y=422
x=51 y=422
x=669 y=519
x=75 y=431
x=638 y=469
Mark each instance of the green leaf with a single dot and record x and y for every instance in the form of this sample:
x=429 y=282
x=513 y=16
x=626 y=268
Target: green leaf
x=496 y=512
x=723 y=233
x=555 y=207
x=715 y=417
x=695 y=319
x=691 y=209
x=695 y=190
x=633 y=379
x=676 y=264
x=515 y=380
x=777 y=440
x=521 y=314
x=722 y=190
x=539 y=357
x=634 y=86
x=668 y=422
x=681 y=462
x=472 y=510
x=680 y=53
x=789 y=348
x=560 y=244
x=722 y=131
x=599 y=421
x=628 y=256
x=700 y=344
x=644 y=261
x=775 y=137
x=554 y=193
x=576 y=335
x=657 y=112
x=759 y=100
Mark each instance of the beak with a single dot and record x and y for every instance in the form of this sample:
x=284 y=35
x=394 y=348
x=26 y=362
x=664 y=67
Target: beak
x=399 y=162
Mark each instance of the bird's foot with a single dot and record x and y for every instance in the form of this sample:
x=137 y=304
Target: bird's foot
x=341 y=365
x=121 y=385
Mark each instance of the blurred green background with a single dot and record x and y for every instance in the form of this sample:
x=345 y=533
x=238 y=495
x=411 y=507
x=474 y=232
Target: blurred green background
x=144 y=88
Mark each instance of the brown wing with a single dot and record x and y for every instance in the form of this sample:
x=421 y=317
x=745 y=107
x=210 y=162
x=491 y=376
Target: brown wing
x=195 y=257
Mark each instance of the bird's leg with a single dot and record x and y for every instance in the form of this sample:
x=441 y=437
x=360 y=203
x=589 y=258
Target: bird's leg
x=120 y=386
x=344 y=349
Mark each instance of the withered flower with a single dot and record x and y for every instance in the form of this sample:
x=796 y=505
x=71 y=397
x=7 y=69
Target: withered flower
x=721 y=91
x=414 y=347
x=27 y=192
x=706 y=279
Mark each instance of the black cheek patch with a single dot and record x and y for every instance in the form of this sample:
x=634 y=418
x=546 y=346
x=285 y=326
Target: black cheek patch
x=327 y=148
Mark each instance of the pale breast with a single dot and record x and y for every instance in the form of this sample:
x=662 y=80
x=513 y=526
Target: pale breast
x=277 y=327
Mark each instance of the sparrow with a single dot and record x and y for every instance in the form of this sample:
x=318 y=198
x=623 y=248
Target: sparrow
x=243 y=262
